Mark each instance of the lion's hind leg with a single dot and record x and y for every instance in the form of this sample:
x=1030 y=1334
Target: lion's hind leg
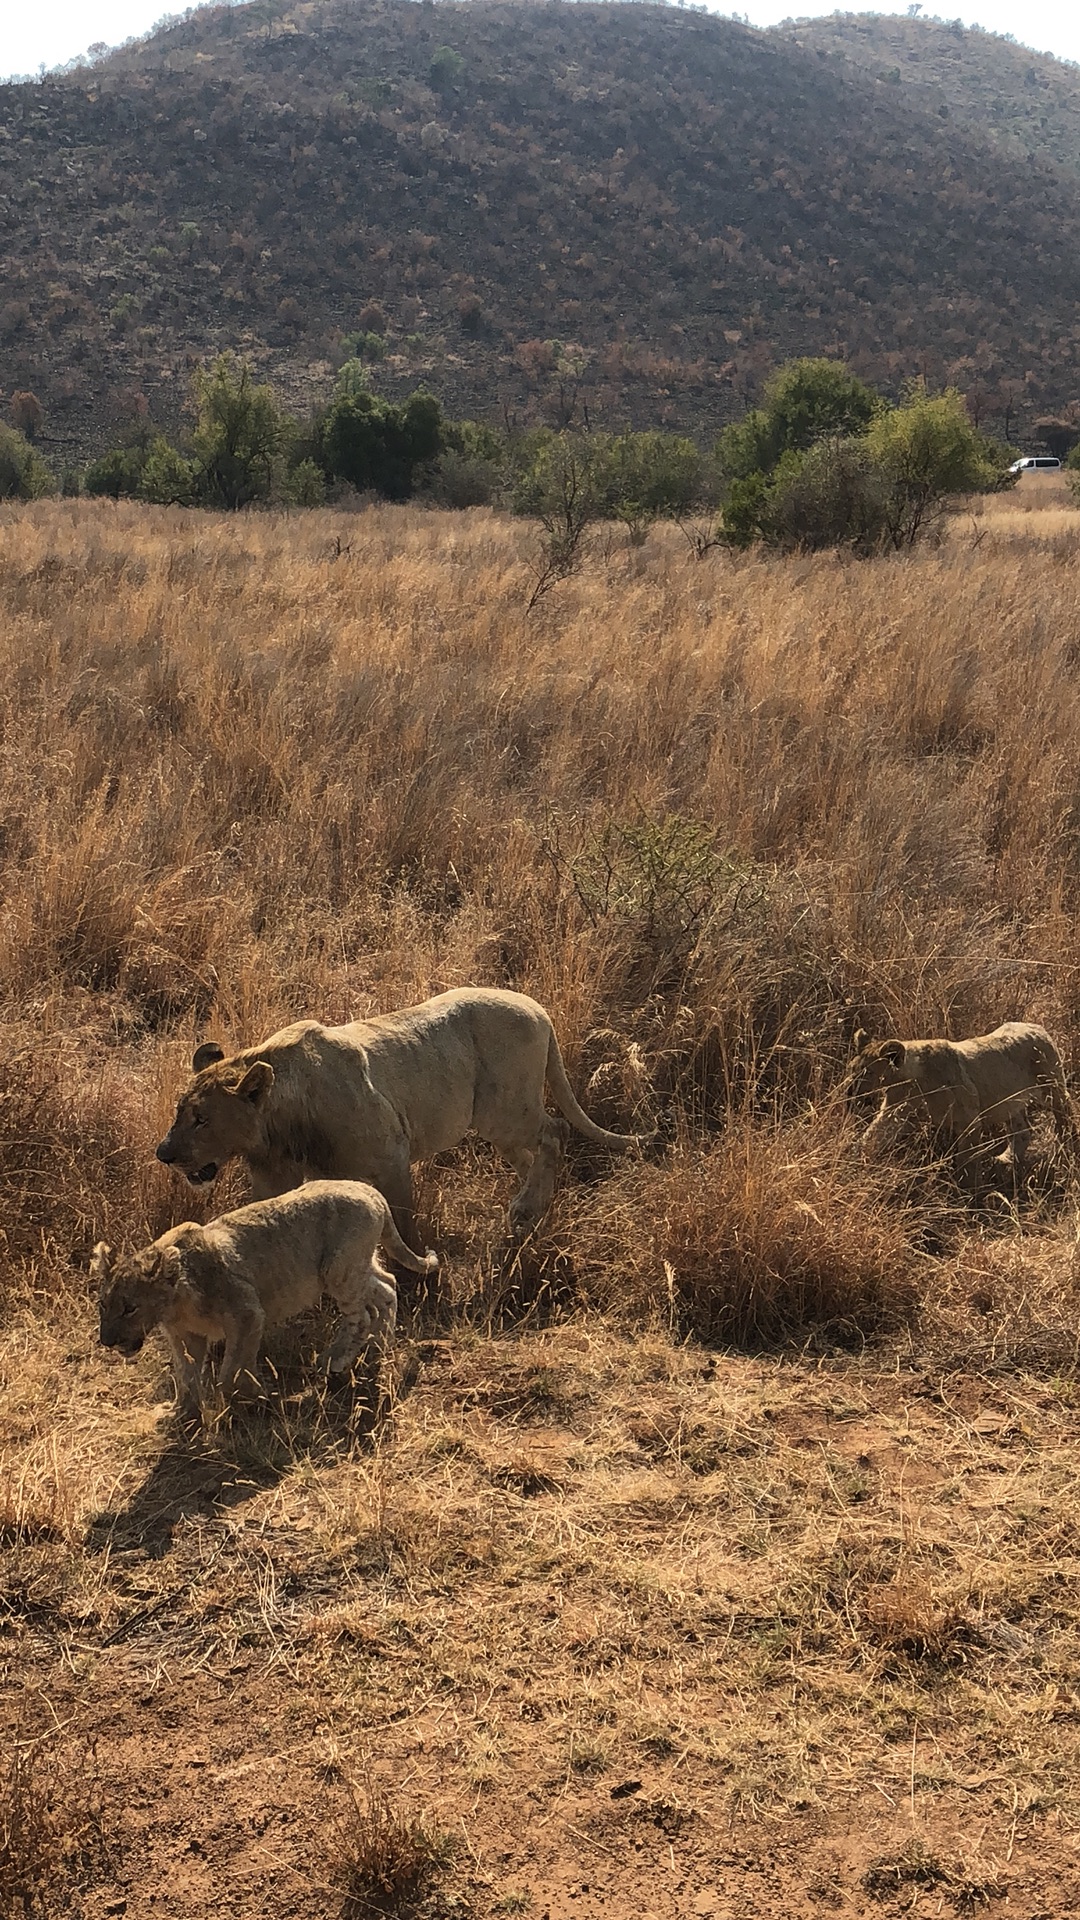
x=367 y=1299
x=539 y=1170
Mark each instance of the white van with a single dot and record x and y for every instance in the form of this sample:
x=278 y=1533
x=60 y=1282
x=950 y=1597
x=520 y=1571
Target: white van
x=1044 y=462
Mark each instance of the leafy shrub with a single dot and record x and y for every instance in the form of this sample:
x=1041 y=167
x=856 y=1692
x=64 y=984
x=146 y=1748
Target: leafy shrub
x=925 y=451
x=23 y=473
x=167 y=479
x=374 y=445
x=804 y=402
x=239 y=438
x=304 y=484
x=117 y=475
x=833 y=495
x=471 y=470
x=651 y=476
x=879 y=488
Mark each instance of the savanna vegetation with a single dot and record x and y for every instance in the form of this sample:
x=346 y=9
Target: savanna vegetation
x=725 y=1536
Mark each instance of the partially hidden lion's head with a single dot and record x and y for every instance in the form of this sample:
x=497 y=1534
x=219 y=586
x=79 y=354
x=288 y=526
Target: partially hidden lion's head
x=218 y=1116
x=135 y=1293
x=879 y=1067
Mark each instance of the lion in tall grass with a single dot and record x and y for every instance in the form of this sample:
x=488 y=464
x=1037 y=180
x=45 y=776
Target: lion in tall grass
x=971 y=1092
x=252 y=1269
x=364 y=1101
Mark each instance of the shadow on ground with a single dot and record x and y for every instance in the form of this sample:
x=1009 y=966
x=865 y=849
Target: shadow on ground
x=208 y=1472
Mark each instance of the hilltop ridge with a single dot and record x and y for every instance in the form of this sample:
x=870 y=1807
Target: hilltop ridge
x=537 y=209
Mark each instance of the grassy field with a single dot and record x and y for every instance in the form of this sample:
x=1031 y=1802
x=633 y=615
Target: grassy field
x=716 y=1555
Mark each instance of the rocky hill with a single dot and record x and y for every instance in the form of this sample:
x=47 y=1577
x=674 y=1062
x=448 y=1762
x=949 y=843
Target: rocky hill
x=541 y=210
x=1022 y=103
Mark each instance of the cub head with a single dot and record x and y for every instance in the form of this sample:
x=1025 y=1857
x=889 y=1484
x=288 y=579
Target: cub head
x=219 y=1116
x=878 y=1066
x=135 y=1293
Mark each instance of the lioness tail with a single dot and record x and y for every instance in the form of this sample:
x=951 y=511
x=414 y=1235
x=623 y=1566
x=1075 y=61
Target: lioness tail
x=395 y=1246
x=567 y=1104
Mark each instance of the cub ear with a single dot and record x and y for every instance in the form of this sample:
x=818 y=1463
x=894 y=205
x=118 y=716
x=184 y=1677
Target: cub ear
x=862 y=1040
x=163 y=1264
x=101 y=1263
x=256 y=1082
x=893 y=1053
x=206 y=1056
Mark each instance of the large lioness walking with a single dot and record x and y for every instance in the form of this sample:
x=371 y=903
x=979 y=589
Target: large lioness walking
x=971 y=1091
x=252 y=1269
x=366 y=1100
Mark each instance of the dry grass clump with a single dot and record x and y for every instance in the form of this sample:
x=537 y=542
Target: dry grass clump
x=766 y=1235
x=385 y=1861
x=54 y=1842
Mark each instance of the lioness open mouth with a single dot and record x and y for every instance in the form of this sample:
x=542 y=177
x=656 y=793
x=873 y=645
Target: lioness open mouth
x=203 y=1175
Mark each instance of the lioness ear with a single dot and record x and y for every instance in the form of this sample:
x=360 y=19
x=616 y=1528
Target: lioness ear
x=101 y=1263
x=206 y=1056
x=893 y=1053
x=862 y=1040
x=256 y=1082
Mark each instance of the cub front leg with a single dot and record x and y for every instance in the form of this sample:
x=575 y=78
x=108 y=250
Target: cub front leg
x=187 y=1352
x=239 y=1367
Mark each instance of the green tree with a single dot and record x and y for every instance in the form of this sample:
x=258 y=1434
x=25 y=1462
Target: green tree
x=374 y=445
x=926 y=450
x=240 y=436
x=167 y=479
x=23 y=473
x=803 y=402
x=445 y=69
x=117 y=474
x=650 y=476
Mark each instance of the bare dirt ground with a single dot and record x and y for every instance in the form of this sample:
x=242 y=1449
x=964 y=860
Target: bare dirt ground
x=637 y=1628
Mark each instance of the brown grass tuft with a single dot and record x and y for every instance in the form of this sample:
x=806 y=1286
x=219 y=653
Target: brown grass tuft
x=769 y=1234
x=385 y=1861
x=54 y=1843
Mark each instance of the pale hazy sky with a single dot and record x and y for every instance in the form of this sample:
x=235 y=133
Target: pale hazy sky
x=50 y=32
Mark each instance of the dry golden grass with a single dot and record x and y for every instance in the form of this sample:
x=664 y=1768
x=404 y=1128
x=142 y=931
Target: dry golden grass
x=714 y=816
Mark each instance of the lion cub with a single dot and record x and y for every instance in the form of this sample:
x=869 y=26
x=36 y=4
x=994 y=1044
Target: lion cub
x=251 y=1269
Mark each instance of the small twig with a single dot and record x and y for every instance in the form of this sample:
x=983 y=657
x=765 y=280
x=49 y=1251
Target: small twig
x=139 y=1619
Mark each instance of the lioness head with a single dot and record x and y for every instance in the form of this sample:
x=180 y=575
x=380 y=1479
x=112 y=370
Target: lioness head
x=135 y=1295
x=878 y=1066
x=218 y=1116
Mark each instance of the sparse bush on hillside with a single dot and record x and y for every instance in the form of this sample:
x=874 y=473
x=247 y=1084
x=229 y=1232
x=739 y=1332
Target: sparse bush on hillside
x=445 y=69
x=369 y=346
x=27 y=414
x=23 y=473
